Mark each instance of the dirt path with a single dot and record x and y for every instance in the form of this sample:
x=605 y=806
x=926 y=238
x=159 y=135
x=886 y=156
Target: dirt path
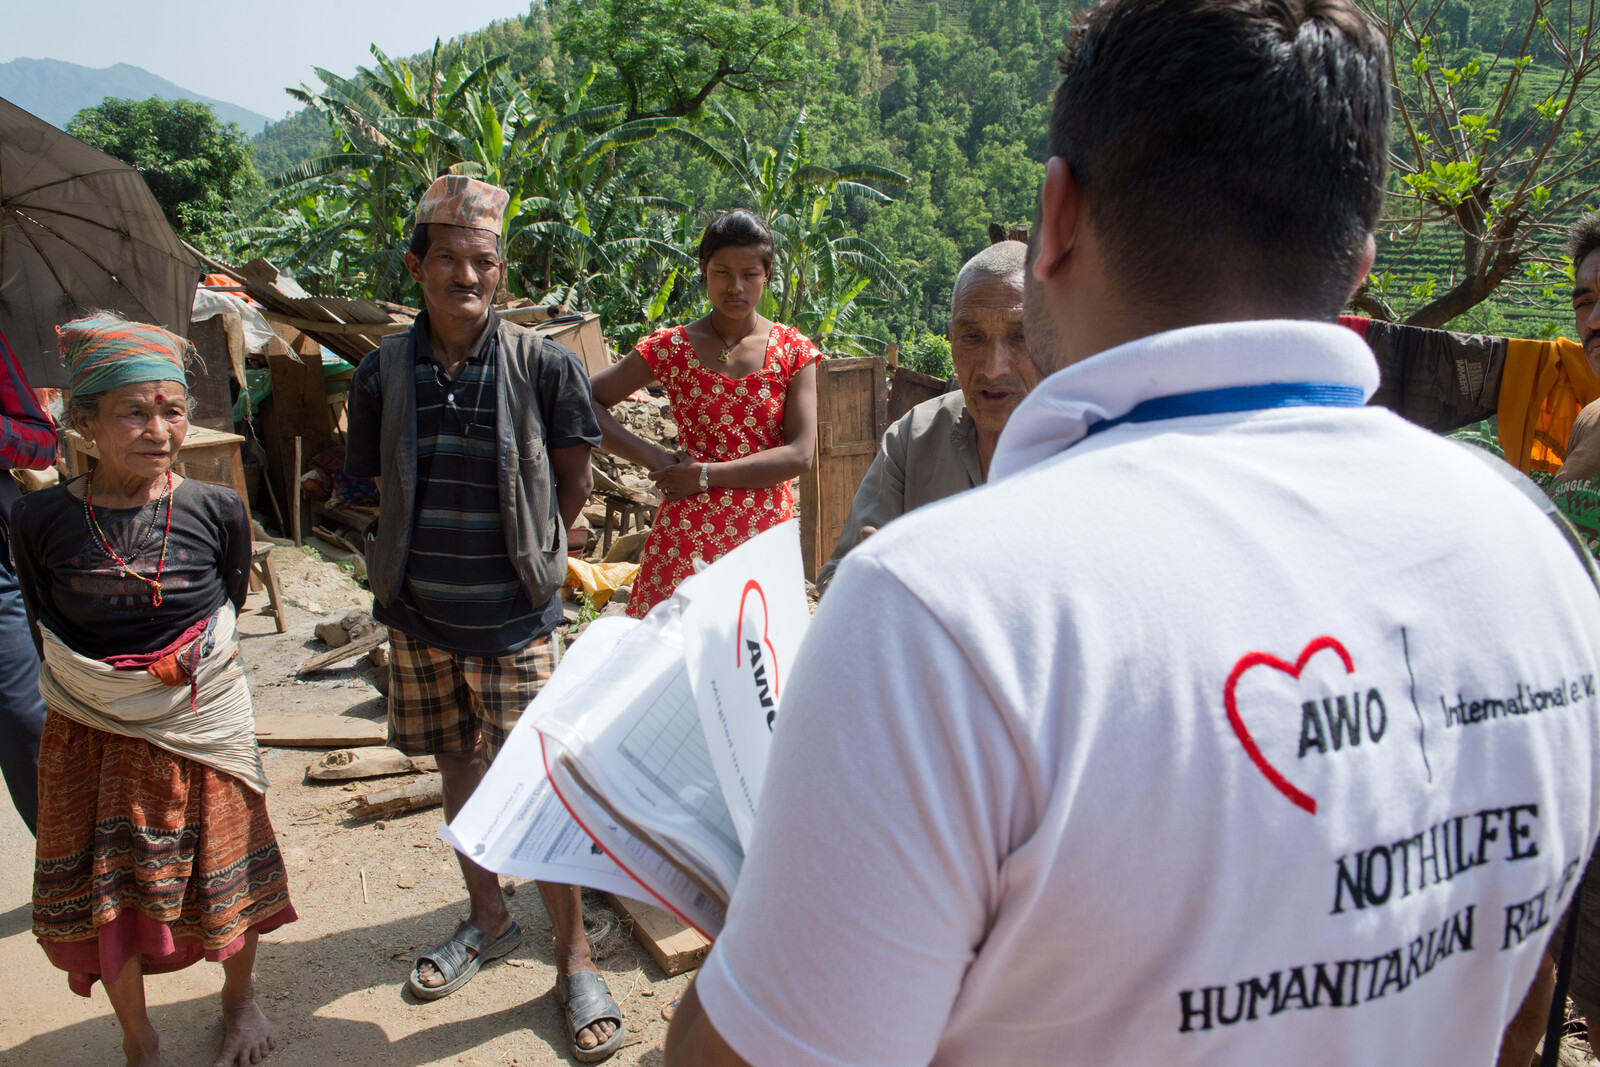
x=331 y=982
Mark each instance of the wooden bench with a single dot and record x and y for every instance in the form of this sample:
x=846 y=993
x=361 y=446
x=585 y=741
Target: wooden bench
x=639 y=511
x=261 y=568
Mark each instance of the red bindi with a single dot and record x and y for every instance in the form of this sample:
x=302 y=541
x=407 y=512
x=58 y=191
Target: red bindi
x=160 y=399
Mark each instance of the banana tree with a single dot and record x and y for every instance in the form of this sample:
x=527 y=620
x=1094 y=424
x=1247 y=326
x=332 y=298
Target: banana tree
x=824 y=273
x=403 y=127
x=583 y=213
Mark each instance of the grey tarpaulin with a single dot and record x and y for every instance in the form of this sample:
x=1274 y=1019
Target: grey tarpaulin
x=79 y=230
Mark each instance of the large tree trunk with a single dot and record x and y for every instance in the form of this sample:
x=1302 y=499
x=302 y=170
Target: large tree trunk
x=1463 y=296
x=1466 y=294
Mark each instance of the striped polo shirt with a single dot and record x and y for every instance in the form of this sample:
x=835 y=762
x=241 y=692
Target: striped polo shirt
x=461 y=591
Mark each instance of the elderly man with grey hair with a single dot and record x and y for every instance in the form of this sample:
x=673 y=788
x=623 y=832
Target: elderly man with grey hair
x=942 y=446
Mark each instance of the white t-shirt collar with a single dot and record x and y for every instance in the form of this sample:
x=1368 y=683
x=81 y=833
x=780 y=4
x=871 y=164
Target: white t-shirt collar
x=1060 y=410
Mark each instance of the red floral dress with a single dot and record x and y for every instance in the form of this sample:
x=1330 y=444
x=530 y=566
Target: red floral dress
x=719 y=418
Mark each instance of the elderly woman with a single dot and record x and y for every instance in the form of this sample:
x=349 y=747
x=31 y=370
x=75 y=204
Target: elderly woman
x=154 y=846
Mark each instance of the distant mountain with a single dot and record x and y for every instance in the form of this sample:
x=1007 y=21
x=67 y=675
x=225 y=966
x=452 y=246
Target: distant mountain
x=56 y=91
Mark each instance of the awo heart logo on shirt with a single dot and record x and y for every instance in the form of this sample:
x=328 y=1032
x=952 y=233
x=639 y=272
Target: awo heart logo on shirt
x=1230 y=700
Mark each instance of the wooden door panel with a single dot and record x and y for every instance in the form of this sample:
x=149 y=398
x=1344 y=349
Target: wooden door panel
x=852 y=402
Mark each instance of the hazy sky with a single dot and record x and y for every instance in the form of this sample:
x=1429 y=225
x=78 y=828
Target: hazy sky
x=241 y=53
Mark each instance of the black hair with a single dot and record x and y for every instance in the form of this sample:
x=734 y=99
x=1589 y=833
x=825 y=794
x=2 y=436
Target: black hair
x=1228 y=147
x=1583 y=238
x=421 y=242
x=740 y=227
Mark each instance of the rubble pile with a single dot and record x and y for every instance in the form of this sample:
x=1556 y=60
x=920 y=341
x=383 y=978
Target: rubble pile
x=650 y=417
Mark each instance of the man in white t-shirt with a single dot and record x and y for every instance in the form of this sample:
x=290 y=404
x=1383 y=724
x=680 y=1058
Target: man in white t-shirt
x=1280 y=746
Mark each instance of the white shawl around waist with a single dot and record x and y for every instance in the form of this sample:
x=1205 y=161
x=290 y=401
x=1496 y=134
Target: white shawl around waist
x=218 y=731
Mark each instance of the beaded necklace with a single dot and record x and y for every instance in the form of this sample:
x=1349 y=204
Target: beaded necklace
x=105 y=542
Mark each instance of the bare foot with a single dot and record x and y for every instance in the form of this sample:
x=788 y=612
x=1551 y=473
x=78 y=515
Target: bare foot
x=142 y=1050
x=247 y=1037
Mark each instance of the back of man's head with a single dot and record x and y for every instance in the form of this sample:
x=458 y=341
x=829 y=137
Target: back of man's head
x=1228 y=149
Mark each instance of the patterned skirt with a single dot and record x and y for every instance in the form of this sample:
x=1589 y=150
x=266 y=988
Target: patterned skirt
x=143 y=852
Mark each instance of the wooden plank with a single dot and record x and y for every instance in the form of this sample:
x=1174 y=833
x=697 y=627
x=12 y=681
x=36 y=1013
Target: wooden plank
x=324 y=660
x=315 y=729
x=851 y=418
x=530 y=314
x=415 y=795
x=363 y=310
x=296 y=407
x=849 y=448
x=911 y=388
x=236 y=473
x=584 y=338
x=336 y=540
x=358 y=519
x=280 y=295
x=299 y=492
x=675 y=947
x=341 y=329
x=208 y=386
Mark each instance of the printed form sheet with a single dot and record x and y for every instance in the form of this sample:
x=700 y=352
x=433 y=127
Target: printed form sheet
x=635 y=729
x=514 y=823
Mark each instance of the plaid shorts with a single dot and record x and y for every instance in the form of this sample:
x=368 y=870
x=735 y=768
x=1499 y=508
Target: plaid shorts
x=441 y=703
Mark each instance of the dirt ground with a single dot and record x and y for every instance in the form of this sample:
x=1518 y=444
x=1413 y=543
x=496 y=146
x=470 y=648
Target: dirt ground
x=332 y=982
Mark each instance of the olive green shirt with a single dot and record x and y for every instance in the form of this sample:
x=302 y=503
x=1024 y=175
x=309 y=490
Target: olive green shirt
x=930 y=453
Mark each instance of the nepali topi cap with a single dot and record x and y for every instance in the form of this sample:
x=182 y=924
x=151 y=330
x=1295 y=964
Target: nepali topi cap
x=457 y=200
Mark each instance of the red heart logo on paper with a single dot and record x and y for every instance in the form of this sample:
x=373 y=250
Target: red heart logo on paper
x=1230 y=699
x=753 y=586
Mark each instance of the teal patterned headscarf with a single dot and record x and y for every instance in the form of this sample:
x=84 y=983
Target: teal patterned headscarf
x=104 y=351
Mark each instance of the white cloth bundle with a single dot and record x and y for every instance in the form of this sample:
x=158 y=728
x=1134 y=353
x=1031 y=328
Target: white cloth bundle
x=218 y=731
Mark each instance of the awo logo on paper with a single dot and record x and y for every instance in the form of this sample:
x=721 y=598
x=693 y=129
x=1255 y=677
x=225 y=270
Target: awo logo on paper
x=753 y=651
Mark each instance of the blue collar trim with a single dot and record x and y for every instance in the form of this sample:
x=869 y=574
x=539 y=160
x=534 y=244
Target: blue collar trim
x=1240 y=398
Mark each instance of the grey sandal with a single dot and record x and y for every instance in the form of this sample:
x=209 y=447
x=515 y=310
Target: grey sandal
x=585 y=1000
x=453 y=960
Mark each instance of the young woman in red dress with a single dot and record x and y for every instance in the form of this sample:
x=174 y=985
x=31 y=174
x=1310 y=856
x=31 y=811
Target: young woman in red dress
x=744 y=395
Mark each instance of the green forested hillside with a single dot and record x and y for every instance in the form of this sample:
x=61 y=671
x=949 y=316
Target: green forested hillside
x=954 y=96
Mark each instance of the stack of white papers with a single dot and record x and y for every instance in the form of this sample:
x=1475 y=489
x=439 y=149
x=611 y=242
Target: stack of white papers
x=640 y=764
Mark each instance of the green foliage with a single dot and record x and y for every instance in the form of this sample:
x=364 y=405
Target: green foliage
x=286 y=144
x=823 y=272
x=667 y=57
x=928 y=353
x=196 y=166
x=587 y=611
x=345 y=218
x=940 y=114
x=1495 y=105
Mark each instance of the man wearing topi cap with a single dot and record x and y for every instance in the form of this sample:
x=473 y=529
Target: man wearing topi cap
x=479 y=431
